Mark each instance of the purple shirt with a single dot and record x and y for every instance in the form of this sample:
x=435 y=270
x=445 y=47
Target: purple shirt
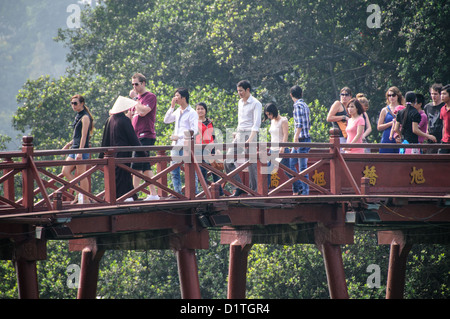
x=144 y=126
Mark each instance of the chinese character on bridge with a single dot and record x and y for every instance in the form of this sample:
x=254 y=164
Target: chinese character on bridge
x=274 y=180
x=371 y=174
x=319 y=178
x=417 y=176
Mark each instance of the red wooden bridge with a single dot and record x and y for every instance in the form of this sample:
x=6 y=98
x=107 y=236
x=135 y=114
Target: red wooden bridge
x=388 y=191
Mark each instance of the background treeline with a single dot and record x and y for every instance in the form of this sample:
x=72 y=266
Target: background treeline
x=208 y=46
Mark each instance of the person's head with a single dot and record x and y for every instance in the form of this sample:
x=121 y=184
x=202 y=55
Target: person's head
x=296 y=92
x=363 y=100
x=201 y=109
x=77 y=102
x=270 y=111
x=354 y=106
x=345 y=95
x=182 y=95
x=445 y=94
x=244 y=89
x=394 y=96
x=420 y=101
x=410 y=98
x=435 y=93
x=138 y=81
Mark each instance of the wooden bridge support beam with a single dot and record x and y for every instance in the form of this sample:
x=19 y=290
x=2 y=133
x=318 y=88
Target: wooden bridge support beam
x=399 y=250
x=237 y=273
x=332 y=257
x=27 y=279
x=188 y=274
x=90 y=262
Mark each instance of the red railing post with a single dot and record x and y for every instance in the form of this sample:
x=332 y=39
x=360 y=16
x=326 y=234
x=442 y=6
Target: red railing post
x=110 y=177
x=8 y=186
x=189 y=162
x=27 y=173
x=160 y=166
x=261 y=168
x=335 y=171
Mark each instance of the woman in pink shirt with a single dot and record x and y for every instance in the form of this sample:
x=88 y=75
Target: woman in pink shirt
x=355 y=125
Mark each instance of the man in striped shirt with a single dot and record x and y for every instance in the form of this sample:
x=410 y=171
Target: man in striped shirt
x=301 y=121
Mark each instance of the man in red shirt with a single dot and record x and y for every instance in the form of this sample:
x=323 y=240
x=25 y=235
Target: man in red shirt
x=143 y=117
x=445 y=117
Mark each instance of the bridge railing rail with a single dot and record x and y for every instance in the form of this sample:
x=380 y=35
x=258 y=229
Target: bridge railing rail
x=31 y=180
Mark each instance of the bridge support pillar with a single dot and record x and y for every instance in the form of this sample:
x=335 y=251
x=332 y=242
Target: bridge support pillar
x=237 y=273
x=90 y=262
x=399 y=251
x=27 y=281
x=334 y=267
x=188 y=274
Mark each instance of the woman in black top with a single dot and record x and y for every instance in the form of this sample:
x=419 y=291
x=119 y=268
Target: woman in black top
x=83 y=125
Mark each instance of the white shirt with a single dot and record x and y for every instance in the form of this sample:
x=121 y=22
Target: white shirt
x=249 y=115
x=185 y=120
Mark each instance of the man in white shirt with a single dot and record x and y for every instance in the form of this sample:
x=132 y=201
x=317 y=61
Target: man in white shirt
x=186 y=119
x=249 y=122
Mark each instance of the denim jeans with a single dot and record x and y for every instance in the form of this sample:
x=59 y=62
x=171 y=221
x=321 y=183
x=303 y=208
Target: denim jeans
x=176 y=178
x=299 y=186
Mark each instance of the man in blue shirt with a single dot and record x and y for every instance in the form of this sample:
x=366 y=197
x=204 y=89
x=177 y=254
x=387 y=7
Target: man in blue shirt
x=301 y=121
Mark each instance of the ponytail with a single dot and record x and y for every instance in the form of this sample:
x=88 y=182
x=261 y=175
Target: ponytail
x=410 y=98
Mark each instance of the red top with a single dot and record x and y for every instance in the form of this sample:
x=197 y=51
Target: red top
x=445 y=117
x=144 y=126
x=206 y=132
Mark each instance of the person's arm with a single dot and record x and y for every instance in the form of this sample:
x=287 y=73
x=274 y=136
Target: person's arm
x=416 y=130
x=285 y=130
x=332 y=117
x=170 y=116
x=147 y=107
x=359 y=133
x=256 y=122
x=369 y=126
x=381 y=125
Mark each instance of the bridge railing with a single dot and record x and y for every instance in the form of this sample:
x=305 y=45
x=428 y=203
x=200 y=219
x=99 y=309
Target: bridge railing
x=31 y=180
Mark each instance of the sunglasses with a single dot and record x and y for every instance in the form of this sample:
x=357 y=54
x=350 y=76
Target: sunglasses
x=74 y=103
x=392 y=95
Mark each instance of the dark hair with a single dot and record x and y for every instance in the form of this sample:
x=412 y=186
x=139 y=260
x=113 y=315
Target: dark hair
x=358 y=105
x=346 y=89
x=410 y=99
x=140 y=77
x=203 y=104
x=446 y=88
x=81 y=99
x=297 y=92
x=420 y=99
x=270 y=108
x=184 y=93
x=436 y=87
x=244 y=84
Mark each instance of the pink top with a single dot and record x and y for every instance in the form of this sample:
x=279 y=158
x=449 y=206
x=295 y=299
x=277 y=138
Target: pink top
x=352 y=129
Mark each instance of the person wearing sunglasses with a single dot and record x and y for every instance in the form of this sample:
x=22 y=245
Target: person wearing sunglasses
x=338 y=116
x=143 y=118
x=386 y=120
x=83 y=126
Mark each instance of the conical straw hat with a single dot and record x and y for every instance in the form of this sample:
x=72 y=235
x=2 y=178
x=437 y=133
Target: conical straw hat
x=122 y=104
